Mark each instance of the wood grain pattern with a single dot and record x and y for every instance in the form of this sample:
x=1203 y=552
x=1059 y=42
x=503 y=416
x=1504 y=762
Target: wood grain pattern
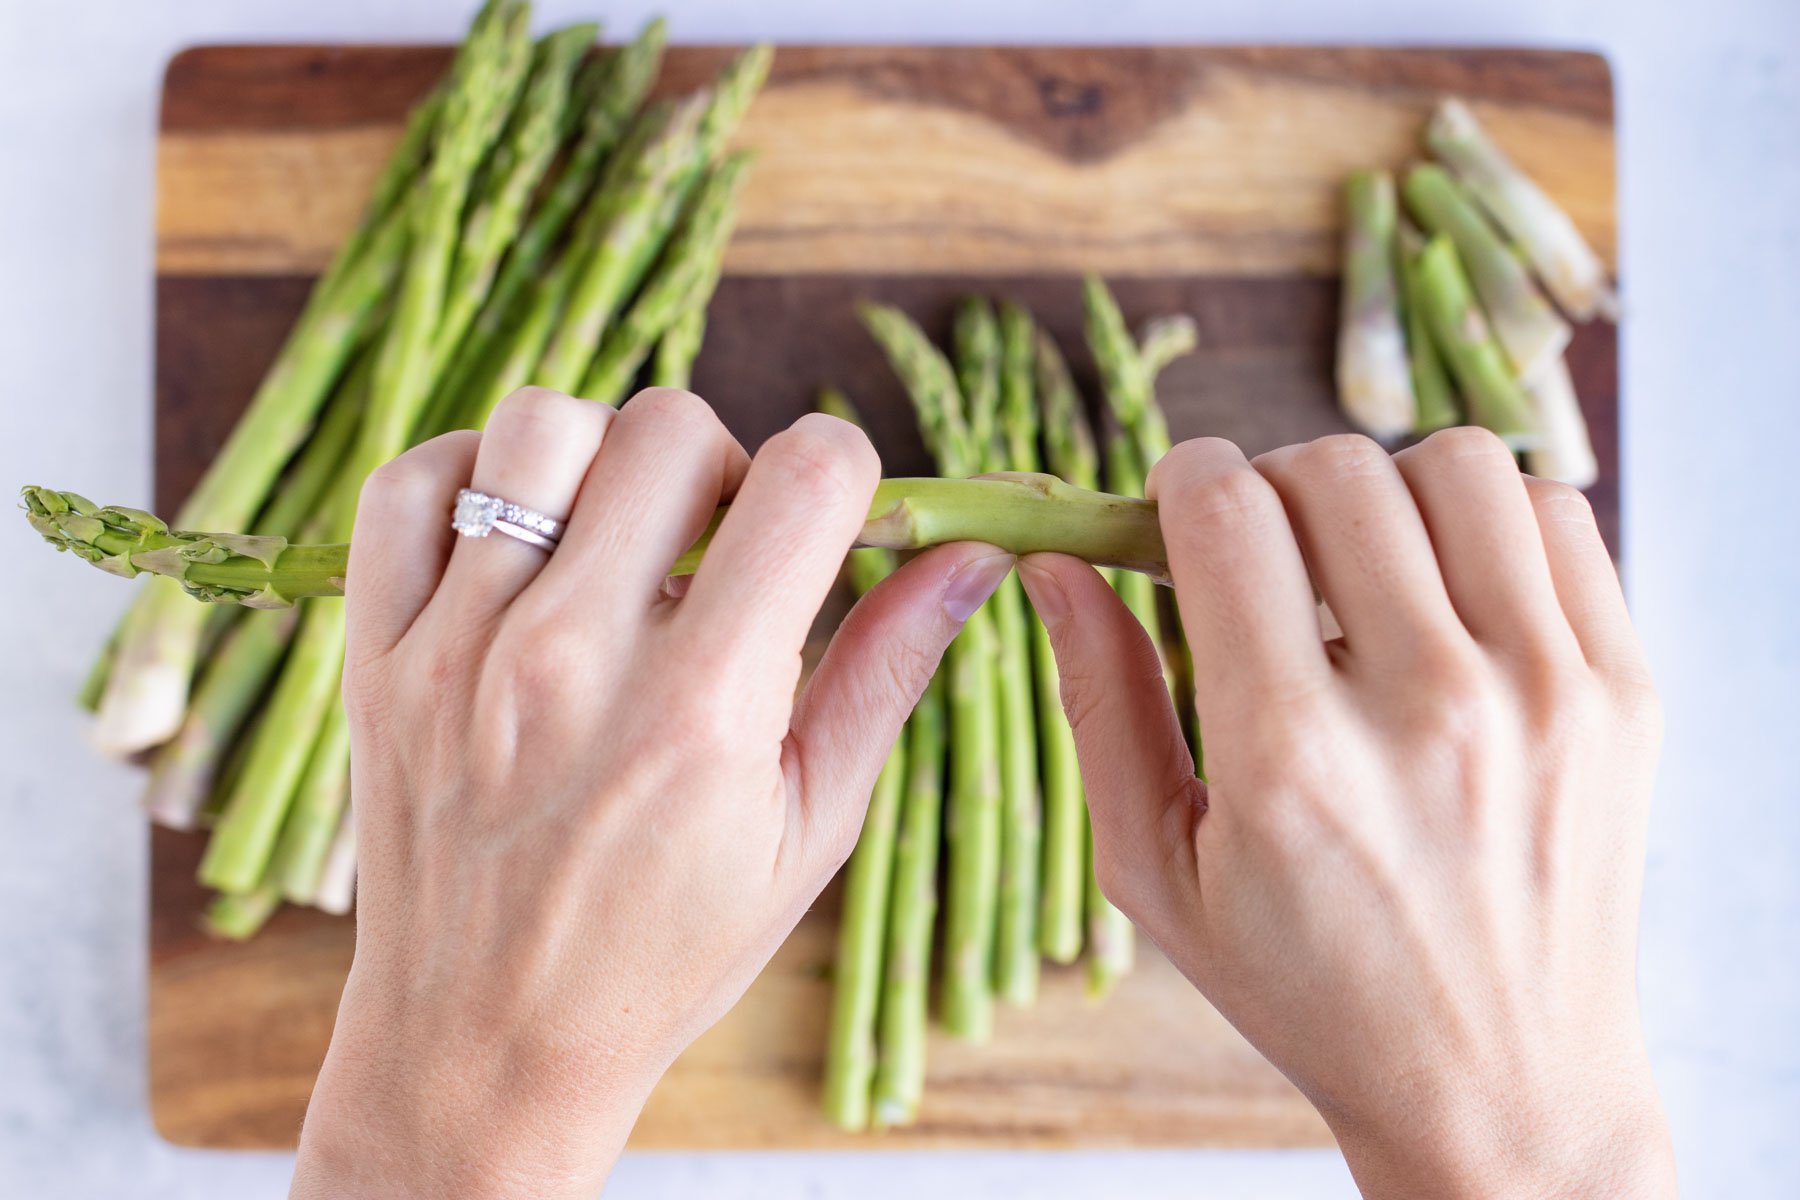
x=1203 y=180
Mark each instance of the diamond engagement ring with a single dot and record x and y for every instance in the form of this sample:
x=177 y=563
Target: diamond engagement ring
x=477 y=514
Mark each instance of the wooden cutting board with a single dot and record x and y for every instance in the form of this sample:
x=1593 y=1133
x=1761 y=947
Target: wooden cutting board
x=1197 y=179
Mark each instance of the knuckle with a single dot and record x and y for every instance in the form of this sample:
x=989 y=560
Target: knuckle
x=1459 y=701
x=1233 y=497
x=1463 y=442
x=1639 y=707
x=676 y=409
x=704 y=719
x=1340 y=456
x=535 y=411
x=1559 y=502
x=542 y=668
x=827 y=465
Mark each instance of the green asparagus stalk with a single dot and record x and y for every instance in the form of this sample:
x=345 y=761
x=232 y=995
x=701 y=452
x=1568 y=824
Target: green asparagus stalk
x=516 y=168
x=640 y=214
x=862 y=926
x=673 y=366
x=1065 y=802
x=975 y=817
x=978 y=341
x=1432 y=389
x=1374 y=383
x=319 y=803
x=521 y=296
x=685 y=278
x=1564 y=452
x=1019 y=513
x=484 y=76
x=1069 y=440
x=1480 y=367
x=238 y=916
x=1526 y=325
x=1562 y=258
x=912 y=914
x=185 y=767
x=160 y=636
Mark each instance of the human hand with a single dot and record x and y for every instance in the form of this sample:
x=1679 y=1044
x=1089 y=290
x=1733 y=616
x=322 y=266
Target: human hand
x=1412 y=881
x=588 y=805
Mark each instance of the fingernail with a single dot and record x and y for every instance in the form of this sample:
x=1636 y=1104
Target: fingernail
x=1045 y=593
x=973 y=583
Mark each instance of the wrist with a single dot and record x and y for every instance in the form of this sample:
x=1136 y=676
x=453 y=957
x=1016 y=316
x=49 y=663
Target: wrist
x=401 y=1112
x=1587 y=1144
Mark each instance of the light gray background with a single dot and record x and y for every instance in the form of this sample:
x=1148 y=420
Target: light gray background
x=1709 y=123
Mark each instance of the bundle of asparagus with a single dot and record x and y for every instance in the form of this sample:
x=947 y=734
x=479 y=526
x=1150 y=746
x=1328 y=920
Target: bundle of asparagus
x=1019 y=885
x=536 y=222
x=1426 y=317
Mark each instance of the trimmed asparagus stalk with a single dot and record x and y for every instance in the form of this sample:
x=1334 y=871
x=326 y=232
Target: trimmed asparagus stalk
x=1017 y=512
x=684 y=280
x=237 y=916
x=1432 y=389
x=1069 y=440
x=972 y=910
x=1065 y=801
x=319 y=803
x=1562 y=258
x=1374 y=385
x=862 y=924
x=1528 y=328
x=1564 y=453
x=980 y=368
x=1482 y=371
x=906 y=974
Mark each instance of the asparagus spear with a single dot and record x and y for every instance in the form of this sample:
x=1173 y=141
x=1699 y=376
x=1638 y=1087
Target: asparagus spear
x=1564 y=452
x=613 y=92
x=1065 y=802
x=513 y=173
x=1525 y=323
x=640 y=214
x=319 y=804
x=978 y=342
x=975 y=783
x=1561 y=256
x=483 y=78
x=1481 y=369
x=680 y=345
x=160 y=636
x=1019 y=513
x=684 y=279
x=862 y=926
x=1432 y=389
x=337 y=883
x=1374 y=387
x=1072 y=453
x=237 y=916
x=906 y=974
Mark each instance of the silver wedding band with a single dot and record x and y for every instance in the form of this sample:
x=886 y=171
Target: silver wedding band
x=478 y=514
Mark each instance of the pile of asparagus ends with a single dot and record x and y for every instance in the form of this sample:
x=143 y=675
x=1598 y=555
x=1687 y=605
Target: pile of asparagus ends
x=988 y=756
x=538 y=221
x=1447 y=321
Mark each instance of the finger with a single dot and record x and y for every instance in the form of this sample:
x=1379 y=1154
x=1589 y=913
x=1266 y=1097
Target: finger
x=1245 y=601
x=1587 y=585
x=872 y=675
x=1485 y=533
x=402 y=539
x=537 y=448
x=667 y=465
x=778 y=551
x=1360 y=534
x=1135 y=764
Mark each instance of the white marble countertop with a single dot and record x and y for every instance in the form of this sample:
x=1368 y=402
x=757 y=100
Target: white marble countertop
x=1709 y=120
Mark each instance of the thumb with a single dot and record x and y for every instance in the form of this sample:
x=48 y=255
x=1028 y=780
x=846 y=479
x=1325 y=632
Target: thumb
x=879 y=661
x=1142 y=795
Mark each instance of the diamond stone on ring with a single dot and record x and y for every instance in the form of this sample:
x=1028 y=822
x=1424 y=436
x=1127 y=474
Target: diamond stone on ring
x=477 y=514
